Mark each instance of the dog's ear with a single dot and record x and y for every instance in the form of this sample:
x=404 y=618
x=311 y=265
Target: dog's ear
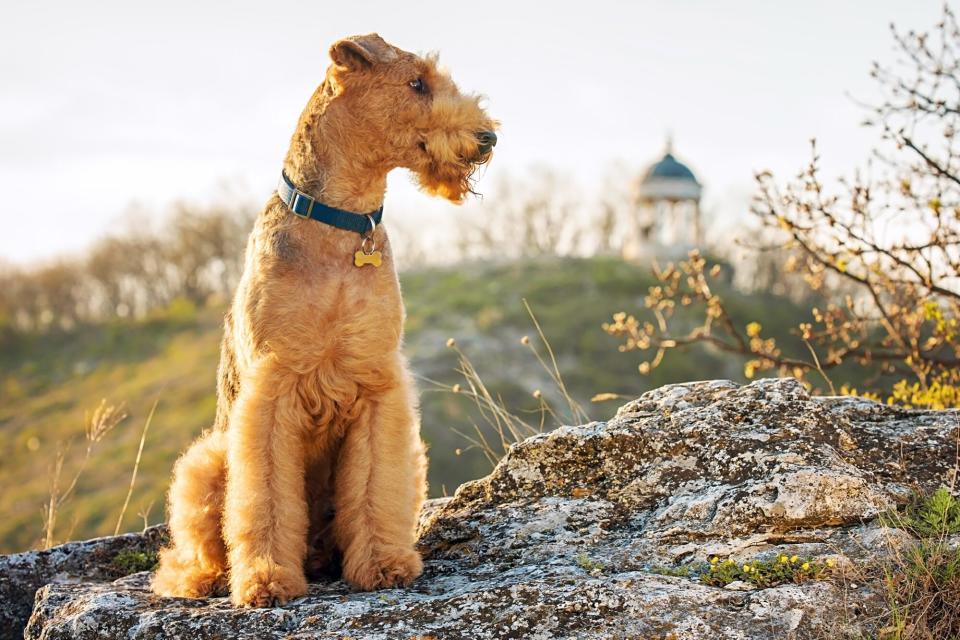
x=360 y=52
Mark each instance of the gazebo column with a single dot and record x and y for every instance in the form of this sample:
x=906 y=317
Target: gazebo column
x=697 y=225
x=670 y=193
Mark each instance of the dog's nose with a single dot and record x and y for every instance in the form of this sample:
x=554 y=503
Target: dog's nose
x=487 y=140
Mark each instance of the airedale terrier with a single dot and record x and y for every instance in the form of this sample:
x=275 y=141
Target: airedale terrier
x=315 y=456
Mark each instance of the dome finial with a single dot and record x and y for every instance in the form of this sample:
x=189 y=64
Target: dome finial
x=669 y=150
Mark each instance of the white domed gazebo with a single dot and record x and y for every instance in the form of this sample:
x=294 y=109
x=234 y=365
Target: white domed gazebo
x=667 y=210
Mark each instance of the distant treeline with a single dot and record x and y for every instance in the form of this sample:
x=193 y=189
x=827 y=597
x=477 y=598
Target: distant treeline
x=197 y=253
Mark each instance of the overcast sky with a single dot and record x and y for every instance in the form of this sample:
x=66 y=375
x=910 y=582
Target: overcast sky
x=103 y=104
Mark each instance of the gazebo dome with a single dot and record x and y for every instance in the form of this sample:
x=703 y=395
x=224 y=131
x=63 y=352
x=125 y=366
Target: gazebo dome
x=670 y=180
x=666 y=219
x=669 y=167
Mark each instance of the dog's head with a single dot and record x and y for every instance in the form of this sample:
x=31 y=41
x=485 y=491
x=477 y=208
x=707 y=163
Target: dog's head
x=401 y=110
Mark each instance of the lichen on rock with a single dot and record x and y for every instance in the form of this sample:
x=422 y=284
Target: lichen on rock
x=562 y=539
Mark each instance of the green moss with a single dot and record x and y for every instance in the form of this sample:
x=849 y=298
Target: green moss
x=131 y=561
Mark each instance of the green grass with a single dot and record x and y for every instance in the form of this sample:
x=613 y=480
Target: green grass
x=928 y=516
x=48 y=382
x=922 y=579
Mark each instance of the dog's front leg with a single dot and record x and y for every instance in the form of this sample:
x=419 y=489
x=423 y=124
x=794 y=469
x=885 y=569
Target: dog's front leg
x=265 y=515
x=379 y=490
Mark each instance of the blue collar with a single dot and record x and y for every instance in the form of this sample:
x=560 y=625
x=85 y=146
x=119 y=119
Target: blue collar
x=304 y=206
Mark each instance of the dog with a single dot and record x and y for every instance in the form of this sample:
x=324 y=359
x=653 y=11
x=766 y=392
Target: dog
x=315 y=458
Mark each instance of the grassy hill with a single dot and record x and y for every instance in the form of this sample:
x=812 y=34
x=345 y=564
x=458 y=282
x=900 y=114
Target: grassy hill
x=49 y=382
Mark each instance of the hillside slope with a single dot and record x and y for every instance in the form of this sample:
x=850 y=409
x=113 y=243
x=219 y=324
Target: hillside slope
x=47 y=383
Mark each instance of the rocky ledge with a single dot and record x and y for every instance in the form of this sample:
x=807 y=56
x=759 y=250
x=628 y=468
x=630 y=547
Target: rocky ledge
x=575 y=533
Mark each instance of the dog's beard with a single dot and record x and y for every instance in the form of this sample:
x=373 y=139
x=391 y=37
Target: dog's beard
x=453 y=181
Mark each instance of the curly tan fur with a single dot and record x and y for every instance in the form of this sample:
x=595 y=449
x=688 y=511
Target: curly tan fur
x=315 y=454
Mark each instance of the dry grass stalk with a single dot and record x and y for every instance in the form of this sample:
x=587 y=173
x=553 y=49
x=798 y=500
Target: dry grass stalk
x=97 y=425
x=508 y=427
x=136 y=467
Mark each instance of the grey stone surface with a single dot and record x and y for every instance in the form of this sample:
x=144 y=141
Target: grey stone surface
x=564 y=538
x=21 y=574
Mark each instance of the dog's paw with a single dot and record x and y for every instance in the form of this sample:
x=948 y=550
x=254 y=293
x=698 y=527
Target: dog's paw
x=268 y=585
x=383 y=570
x=177 y=579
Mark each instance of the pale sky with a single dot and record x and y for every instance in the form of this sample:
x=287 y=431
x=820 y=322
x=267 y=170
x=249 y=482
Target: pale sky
x=103 y=104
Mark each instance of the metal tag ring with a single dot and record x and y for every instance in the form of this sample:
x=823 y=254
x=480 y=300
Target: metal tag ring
x=368 y=245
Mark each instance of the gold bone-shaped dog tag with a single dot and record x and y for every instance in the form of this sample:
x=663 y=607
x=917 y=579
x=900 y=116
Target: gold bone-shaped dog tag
x=360 y=258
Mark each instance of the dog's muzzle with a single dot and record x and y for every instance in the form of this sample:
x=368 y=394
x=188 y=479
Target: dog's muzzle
x=487 y=140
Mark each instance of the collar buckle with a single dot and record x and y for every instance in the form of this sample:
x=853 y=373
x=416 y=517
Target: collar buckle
x=294 y=201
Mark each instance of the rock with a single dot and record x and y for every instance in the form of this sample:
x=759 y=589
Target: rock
x=739 y=585
x=569 y=535
x=99 y=560
x=102 y=559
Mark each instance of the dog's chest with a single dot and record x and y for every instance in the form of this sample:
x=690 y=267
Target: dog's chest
x=332 y=317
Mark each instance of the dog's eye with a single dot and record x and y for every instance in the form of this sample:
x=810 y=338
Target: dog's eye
x=418 y=86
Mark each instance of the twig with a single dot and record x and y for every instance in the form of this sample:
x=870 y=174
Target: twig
x=823 y=374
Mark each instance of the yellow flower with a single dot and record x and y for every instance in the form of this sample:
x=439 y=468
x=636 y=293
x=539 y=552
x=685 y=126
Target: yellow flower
x=714 y=560
x=830 y=562
x=746 y=568
x=753 y=329
x=805 y=566
x=793 y=559
x=784 y=559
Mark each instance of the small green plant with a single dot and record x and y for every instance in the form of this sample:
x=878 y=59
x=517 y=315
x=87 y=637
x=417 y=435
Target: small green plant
x=131 y=561
x=933 y=515
x=588 y=564
x=760 y=572
x=764 y=573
